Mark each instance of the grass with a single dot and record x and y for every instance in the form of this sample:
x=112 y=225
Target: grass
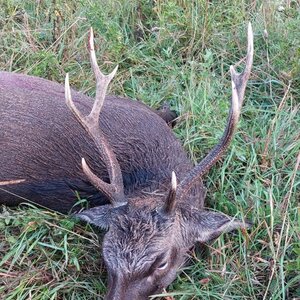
x=177 y=52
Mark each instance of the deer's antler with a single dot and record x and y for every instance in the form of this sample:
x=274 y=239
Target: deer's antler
x=239 y=82
x=115 y=189
x=170 y=202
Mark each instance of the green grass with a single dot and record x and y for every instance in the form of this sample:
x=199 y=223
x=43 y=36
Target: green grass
x=179 y=52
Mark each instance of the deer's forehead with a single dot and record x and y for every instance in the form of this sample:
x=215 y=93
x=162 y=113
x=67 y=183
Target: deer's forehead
x=139 y=229
x=138 y=219
x=134 y=243
x=130 y=257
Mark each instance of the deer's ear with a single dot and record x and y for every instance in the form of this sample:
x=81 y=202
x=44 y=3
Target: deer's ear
x=206 y=225
x=99 y=216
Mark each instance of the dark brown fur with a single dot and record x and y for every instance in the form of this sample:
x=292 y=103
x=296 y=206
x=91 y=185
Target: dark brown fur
x=42 y=143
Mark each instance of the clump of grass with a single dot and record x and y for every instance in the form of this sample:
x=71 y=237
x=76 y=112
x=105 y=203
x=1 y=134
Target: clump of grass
x=179 y=52
x=44 y=256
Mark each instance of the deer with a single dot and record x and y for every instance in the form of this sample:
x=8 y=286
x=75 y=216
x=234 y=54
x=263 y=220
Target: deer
x=120 y=155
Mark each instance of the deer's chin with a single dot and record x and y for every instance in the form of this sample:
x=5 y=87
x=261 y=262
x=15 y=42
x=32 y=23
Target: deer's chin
x=129 y=292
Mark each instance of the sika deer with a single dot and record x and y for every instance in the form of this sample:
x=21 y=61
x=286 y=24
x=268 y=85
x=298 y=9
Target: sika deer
x=151 y=221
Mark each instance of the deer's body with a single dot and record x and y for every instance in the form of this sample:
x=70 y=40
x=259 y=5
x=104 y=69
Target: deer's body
x=42 y=143
x=128 y=157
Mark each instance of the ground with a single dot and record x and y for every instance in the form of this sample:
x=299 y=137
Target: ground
x=175 y=51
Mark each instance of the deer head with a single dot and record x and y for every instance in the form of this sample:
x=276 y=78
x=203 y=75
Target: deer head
x=148 y=238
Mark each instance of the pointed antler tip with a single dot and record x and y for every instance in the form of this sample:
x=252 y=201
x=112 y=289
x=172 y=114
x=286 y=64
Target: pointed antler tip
x=91 y=39
x=113 y=73
x=233 y=71
x=174 y=181
x=250 y=34
x=91 y=34
x=86 y=169
x=67 y=89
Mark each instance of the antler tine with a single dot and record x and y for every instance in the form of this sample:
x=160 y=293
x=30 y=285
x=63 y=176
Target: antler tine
x=241 y=78
x=115 y=190
x=239 y=82
x=170 y=203
x=102 y=81
x=116 y=195
x=69 y=100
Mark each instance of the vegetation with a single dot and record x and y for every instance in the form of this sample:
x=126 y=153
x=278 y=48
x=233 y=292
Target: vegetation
x=175 y=51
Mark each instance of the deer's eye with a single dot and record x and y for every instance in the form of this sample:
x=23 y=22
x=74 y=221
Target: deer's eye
x=162 y=266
